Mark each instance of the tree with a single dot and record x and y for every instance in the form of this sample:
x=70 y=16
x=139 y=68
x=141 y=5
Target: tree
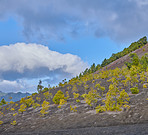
x=104 y=62
x=114 y=100
x=135 y=59
x=91 y=98
x=93 y=68
x=39 y=87
x=45 y=107
x=3 y=102
x=143 y=40
x=144 y=62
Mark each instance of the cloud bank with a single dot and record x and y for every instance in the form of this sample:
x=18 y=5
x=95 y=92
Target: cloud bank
x=22 y=58
x=16 y=86
x=53 y=19
x=30 y=61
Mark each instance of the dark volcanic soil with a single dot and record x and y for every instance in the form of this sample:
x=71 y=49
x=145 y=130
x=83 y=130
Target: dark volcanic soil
x=85 y=121
x=135 y=129
x=127 y=122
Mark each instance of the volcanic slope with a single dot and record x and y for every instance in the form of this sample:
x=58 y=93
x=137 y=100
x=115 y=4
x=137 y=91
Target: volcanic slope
x=107 y=102
x=121 y=61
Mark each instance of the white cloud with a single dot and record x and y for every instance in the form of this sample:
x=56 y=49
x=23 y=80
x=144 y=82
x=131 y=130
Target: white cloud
x=22 y=65
x=22 y=58
x=16 y=86
x=10 y=86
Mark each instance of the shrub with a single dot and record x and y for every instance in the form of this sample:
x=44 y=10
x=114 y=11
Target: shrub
x=12 y=109
x=123 y=99
x=73 y=109
x=67 y=95
x=38 y=99
x=62 y=102
x=135 y=90
x=1 y=122
x=28 y=102
x=115 y=100
x=13 y=123
x=100 y=109
x=78 y=100
x=11 y=102
x=47 y=95
x=58 y=96
x=76 y=95
x=144 y=86
x=45 y=107
x=74 y=89
x=35 y=105
x=22 y=108
x=14 y=114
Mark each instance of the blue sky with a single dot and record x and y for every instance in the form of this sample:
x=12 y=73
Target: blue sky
x=57 y=39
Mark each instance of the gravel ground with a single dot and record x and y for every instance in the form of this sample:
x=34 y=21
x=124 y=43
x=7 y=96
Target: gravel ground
x=132 y=121
x=136 y=129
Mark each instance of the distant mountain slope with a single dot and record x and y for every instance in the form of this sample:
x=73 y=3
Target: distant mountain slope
x=2 y=93
x=15 y=96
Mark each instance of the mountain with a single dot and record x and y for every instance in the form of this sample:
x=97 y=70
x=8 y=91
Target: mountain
x=2 y=93
x=13 y=96
x=113 y=100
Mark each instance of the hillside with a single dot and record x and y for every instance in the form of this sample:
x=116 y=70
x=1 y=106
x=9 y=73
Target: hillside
x=121 y=61
x=107 y=102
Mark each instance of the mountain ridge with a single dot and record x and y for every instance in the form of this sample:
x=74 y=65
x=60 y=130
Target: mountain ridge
x=121 y=61
x=11 y=96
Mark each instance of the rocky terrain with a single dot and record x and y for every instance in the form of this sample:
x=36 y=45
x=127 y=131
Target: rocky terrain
x=62 y=121
x=74 y=118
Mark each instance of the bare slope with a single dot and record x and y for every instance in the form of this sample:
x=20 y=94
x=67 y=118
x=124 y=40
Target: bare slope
x=64 y=121
x=62 y=118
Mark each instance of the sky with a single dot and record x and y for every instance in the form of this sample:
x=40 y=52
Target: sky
x=52 y=40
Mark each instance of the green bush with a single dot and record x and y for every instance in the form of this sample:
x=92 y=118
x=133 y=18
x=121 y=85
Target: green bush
x=3 y=102
x=59 y=95
x=135 y=90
